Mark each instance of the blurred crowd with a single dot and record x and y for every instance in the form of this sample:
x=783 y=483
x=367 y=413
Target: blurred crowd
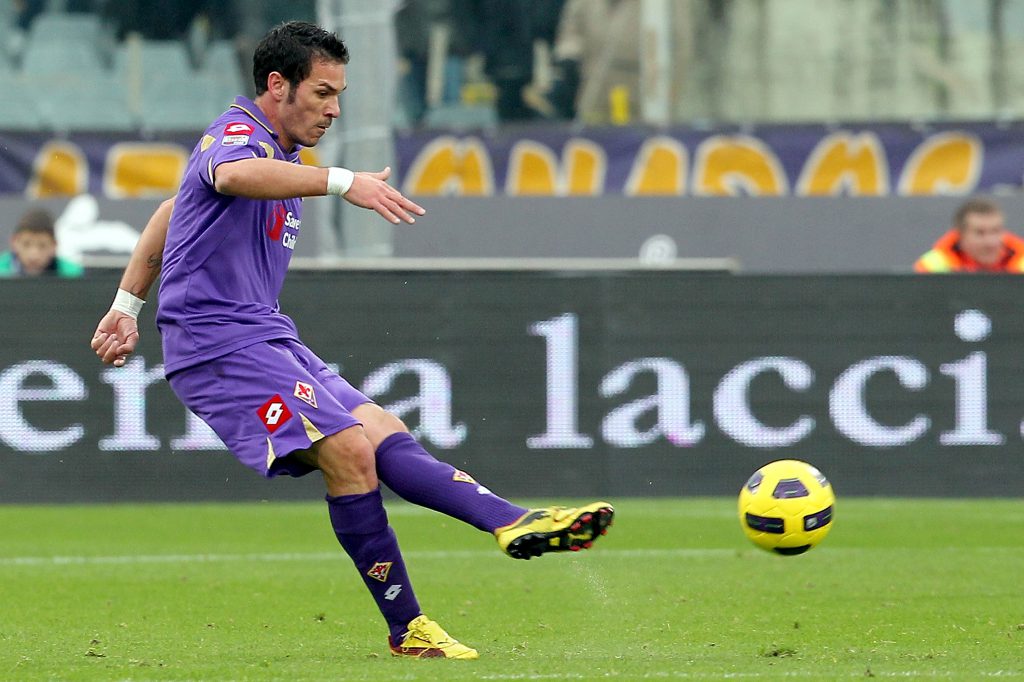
x=541 y=59
x=196 y=23
x=163 y=20
x=607 y=61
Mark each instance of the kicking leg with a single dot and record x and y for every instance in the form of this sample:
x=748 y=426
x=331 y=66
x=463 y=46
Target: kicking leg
x=418 y=477
x=414 y=474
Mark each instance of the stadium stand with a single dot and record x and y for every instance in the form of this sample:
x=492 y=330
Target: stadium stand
x=461 y=116
x=59 y=27
x=74 y=60
x=183 y=103
x=166 y=93
x=97 y=103
x=18 y=108
x=144 y=85
x=219 y=64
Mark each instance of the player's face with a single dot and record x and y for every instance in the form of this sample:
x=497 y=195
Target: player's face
x=311 y=108
x=34 y=250
x=981 y=237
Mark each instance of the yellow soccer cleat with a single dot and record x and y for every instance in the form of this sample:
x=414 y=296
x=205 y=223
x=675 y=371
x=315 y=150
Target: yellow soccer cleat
x=427 y=639
x=555 y=529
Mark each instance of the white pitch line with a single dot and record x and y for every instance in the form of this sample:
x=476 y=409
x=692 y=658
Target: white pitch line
x=322 y=556
x=774 y=675
x=476 y=554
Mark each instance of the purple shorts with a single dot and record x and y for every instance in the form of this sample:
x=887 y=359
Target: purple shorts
x=268 y=400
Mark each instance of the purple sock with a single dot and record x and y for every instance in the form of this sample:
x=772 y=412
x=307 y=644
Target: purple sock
x=361 y=525
x=413 y=473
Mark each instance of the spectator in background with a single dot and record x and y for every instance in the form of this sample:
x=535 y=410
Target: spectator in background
x=25 y=11
x=162 y=20
x=978 y=242
x=454 y=22
x=34 y=250
x=508 y=31
x=600 y=40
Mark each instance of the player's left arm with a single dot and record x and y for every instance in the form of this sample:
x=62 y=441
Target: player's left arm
x=262 y=178
x=118 y=331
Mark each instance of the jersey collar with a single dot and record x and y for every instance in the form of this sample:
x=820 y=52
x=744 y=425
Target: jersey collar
x=255 y=113
x=249 y=107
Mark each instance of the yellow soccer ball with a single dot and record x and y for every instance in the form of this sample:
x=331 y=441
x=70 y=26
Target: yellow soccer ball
x=786 y=507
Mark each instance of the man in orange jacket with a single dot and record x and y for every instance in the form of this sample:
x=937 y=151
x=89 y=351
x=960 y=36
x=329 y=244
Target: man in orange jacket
x=978 y=242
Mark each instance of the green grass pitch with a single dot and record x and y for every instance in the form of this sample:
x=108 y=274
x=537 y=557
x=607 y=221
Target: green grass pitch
x=901 y=588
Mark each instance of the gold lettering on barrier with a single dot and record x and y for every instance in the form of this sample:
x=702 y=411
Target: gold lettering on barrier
x=534 y=169
x=738 y=165
x=451 y=166
x=659 y=169
x=143 y=170
x=60 y=169
x=945 y=163
x=586 y=164
x=844 y=163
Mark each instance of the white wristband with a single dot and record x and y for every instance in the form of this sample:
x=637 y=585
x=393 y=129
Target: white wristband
x=339 y=180
x=127 y=303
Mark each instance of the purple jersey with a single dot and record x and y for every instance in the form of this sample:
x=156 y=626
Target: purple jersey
x=226 y=257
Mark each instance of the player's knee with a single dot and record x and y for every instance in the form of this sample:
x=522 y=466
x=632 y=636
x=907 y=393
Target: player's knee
x=394 y=424
x=378 y=423
x=347 y=460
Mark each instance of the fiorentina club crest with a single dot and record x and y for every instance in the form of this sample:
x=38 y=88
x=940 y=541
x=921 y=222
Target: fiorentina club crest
x=304 y=392
x=462 y=477
x=379 y=571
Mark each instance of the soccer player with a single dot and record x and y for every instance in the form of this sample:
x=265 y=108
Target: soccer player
x=222 y=248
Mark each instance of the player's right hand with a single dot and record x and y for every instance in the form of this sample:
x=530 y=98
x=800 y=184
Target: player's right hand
x=115 y=338
x=371 y=190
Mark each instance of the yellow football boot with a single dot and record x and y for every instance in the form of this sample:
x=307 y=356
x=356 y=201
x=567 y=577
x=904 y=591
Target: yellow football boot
x=427 y=639
x=555 y=529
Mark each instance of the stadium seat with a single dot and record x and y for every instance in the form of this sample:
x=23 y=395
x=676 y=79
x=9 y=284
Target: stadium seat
x=165 y=56
x=182 y=103
x=154 y=58
x=220 y=56
x=57 y=27
x=220 y=64
x=19 y=109
x=56 y=58
x=95 y=104
x=8 y=41
x=461 y=117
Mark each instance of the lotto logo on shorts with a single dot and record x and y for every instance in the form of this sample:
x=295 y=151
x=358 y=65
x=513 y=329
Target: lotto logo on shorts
x=379 y=571
x=304 y=392
x=462 y=477
x=273 y=413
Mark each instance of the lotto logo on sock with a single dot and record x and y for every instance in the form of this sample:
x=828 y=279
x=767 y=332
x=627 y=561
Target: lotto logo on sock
x=274 y=413
x=304 y=392
x=379 y=571
x=462 y=477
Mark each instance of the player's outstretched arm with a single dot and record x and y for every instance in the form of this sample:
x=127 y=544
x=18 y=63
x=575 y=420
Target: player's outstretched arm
x=276 y=179
x=118 y=330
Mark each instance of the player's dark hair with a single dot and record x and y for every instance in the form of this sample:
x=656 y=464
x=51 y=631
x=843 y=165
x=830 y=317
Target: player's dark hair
x=981 y=205
x=290 y=49
x=35 y=220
